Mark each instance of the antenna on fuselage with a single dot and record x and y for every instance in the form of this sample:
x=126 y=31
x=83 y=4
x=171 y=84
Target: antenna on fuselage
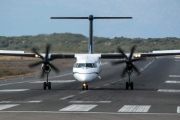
x=91 y=18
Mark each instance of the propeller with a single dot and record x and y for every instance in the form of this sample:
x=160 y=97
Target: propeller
x=46 y=61
x=128 y=61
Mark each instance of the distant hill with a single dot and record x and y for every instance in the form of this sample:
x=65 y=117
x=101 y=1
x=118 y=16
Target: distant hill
x=77 y=43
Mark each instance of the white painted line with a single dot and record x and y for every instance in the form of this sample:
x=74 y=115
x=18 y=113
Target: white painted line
x=19 y=102
x=77 y=107
x=97 y=87
x=67 y=97
x=168 y=90
x=2 y=107
x=177 y=57
x=174 y=75
x=89 y=102
x=34 y=80
x=35 y=101
x=61 y=75
x=55 y=81
x=105 y=84
x=16 y=83
x=82 y=92
x=135 y=108
x=5 y=101
x=13 y=90
x=172 y=81
x=178 y=109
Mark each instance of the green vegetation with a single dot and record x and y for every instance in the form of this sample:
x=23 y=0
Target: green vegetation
x=77 y=43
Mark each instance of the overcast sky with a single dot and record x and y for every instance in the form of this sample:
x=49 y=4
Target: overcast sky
x=151 y=18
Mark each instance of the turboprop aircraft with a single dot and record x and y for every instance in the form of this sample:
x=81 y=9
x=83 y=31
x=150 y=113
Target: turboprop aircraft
x=88 y=66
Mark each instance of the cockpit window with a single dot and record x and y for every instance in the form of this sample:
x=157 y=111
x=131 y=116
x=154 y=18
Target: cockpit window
x=80 y=65
x=88 y=65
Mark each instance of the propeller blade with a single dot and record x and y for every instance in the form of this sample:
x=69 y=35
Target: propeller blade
x=122 y=52
x=35 y=64
x=136 y=69
x=124 y=72
x=118 y=62
x=54 y=68
x=132 y=52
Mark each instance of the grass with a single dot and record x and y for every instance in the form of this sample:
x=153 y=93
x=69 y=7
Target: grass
x=18 y=66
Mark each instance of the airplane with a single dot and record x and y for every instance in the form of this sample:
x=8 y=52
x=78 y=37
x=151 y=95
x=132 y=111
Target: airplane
x=88 y=66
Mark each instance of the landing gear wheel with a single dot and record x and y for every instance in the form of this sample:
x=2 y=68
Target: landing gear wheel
x=86 y=87
x=44 y=85
x=131 y=85
x=127 y=85
x=49 y=85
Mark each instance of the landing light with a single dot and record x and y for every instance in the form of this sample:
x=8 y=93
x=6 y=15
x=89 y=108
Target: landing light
x=37 y=56
x=138 y=55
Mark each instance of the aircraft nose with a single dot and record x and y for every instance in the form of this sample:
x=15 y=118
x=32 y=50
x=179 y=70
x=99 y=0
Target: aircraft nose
x=85 y=77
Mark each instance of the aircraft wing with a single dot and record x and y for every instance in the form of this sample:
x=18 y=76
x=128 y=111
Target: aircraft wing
x=52 y=56
x=111 y=56
x=157 y=54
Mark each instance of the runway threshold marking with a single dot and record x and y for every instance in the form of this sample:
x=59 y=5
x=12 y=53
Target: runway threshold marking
x=67 y=97
x=173 y=81
x=13 y=90
x=77 y=107
x=90 y=102
x=135 y=108
x=2 y=107
x=169 y=90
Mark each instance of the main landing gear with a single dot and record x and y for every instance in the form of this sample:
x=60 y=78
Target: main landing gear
x=47 y=84
x=129 y=84
x=85 y=86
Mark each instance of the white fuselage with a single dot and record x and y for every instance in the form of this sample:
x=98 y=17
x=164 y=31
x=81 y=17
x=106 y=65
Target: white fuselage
x=87 y=67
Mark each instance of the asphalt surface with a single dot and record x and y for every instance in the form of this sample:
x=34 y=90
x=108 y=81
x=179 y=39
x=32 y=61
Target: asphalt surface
x=156 y=95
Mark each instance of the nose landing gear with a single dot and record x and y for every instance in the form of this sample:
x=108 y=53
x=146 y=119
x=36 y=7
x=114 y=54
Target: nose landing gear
x=47 y=84
x=85 y=86
x=129 y=84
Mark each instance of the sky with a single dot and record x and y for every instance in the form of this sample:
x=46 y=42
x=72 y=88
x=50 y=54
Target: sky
x=151 y=18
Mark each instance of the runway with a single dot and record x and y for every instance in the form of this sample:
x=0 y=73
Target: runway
x=156 y=94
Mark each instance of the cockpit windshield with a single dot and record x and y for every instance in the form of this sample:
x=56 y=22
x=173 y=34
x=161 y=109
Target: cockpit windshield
x=87 y=65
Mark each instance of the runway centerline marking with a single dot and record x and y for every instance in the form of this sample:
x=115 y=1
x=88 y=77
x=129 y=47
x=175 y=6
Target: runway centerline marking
x=67 y=97
x=77 y=107
x=2 y=107
x=135 y=108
